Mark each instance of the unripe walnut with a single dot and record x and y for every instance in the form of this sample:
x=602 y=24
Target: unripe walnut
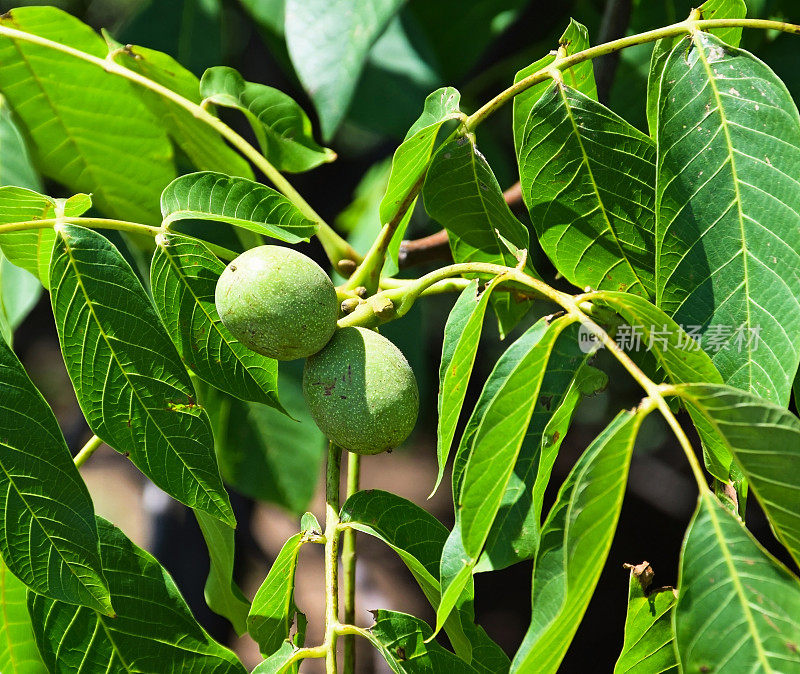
x=361 y=391
x=277 y=302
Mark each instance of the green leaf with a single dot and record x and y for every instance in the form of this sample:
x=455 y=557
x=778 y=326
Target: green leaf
x=19 y=292
x=183 y=277
x=130 y=383
x=222 y=594
x=279 y=662
x=18 y=652
x=679 y=355
x=587 y=178
x=515 y=533
x=728 y=210
x=648 y=646
x=273 y=609
x=89 y=129
x=265 y=454
x=30 y=249
x=711 y=9
x=418 y=538
x=463 y=195
x=402 y=640
x=738 y=608
x=281 y=126
x=203 y=146
x=328 y=44
x=580 y=77
x=764 y=439
x=48 y=537
x=16 y=165
x=411 y=159
x=462 y=334
x=576 y=538
x=501 y=428
x=236 y=201
x=153 y=631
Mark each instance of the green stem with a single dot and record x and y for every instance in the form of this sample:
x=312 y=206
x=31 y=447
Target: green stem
x=562 y=63
x=87 y=450
x=107 y=223
x=335 y=246
x=332 y=505
x=349 y=565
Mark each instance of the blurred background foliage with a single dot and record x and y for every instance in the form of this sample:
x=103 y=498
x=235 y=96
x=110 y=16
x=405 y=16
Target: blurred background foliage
x=272 y=464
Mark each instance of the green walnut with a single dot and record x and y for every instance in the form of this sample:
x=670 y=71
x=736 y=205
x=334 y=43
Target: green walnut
x=361 y=391
x=277 y=302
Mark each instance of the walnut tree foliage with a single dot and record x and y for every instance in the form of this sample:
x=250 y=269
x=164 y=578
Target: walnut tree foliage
x=677 y=239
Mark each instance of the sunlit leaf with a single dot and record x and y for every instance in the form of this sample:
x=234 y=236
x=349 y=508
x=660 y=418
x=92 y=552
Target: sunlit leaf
x=48 y=537
x=131 y=385
x=89 y=129
x=328 y=43
x=222 y=594
x=273 y=609
x=18 y=652
x=738 y=608
x=183 y=277
x=30 y=249
x=588 y=179
x=580 y=77
x=576 y=538
x=728 y=209
x=281 y=126
x=236 y=201
x=203 y=146
x=648 y=646
x=153 y=631
x=764 y=439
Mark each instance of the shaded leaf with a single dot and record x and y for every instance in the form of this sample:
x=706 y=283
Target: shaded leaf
x=463 y=195
x=272 y=612
x=738 y=608
x=575 y=541
x=19 y=292
x=30 y=249
x=581 y=77
x=236 y=201
x=153 y=631
x=48 y=537
x=183 y=278
x=16 y=165
x=265 y=454
x=728 y=210
x=281 y=126
x=222 y=594
x=18 y=652
x=130 y=383
x=203 y=146
x=328 y=43
x=94 y=134
x=279 y=662
x=648 y=646
x=587 y=178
